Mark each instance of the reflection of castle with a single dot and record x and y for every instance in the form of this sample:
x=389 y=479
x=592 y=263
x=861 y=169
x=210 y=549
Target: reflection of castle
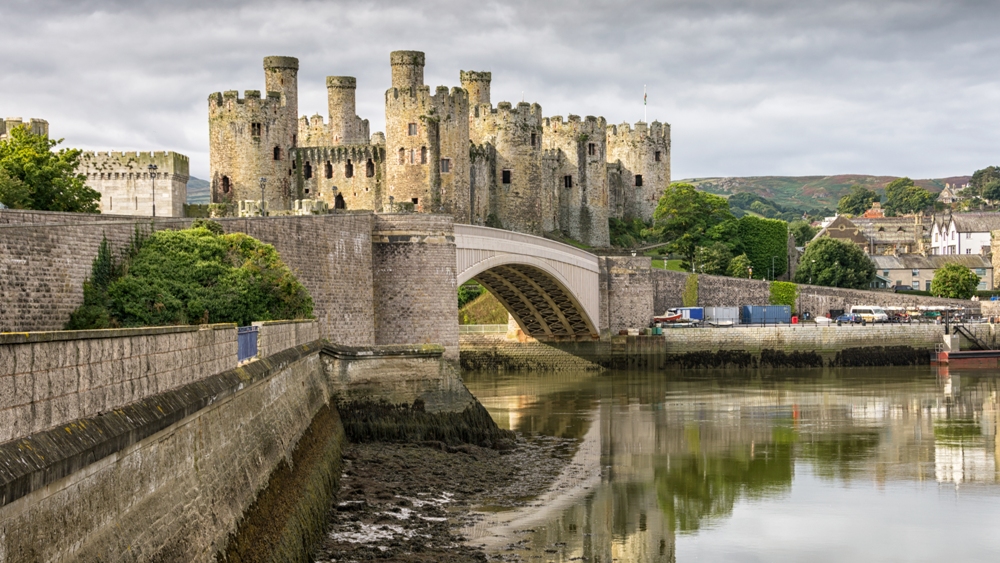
x=446 y=151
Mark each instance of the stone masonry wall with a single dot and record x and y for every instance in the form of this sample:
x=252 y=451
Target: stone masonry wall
x=630 y=292
x=50 y=378
x=275 y=336
x=179 y=493
x=414 y=281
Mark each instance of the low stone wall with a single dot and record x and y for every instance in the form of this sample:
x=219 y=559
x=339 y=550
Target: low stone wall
x=275 y=336
x=50 y=378
x=496 y=352
x=168 y=478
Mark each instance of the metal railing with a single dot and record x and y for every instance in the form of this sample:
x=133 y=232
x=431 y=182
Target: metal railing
x=246 y=339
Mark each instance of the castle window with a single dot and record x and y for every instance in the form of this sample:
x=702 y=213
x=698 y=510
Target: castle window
x=413 y=156
x=277 y=153
x=445 y=165
x=411 y=129
x=534 y=139
x=505 y=177
x=294 y=141
x=638 y=180
x=416 y=201
x=307 y=171
x=567 y=181
x=329 y=170
x=592 y=149
x=423 y=155
x=348 y=169
x=656 y=156
x=225 y=185
x=402 y=156
x=369 y=168
x=255 y=129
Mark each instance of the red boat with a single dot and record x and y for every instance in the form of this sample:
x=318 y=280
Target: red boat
x=670 y=316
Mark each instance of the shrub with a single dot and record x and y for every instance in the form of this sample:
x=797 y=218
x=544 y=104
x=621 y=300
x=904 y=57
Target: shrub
x=690 y=297
x=764 y=241
x=784 y=293
x=955 y=281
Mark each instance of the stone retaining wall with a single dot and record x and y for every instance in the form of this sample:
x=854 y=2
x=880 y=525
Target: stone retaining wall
x=275 y=336
x=496 y=352
x=51 y=378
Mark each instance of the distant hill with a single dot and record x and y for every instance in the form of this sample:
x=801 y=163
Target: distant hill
x=198 y=191
x=807 y=192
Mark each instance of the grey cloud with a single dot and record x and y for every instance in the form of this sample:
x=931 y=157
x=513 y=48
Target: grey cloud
x=750 y=88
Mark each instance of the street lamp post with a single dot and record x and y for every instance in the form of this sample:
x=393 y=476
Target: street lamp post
x=263 y=182
x=152 y=178
x=812 y=270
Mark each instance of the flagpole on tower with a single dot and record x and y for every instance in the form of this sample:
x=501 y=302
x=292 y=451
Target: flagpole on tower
x=643 y=103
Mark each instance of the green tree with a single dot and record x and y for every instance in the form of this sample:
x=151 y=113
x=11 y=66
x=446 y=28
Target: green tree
x=739 y=267
x=802 y=231
x=858 y=200
x=13 y=193
x=991 y=191
x=954 y=281
x=903 y=196
x=712 y=259
x=835 y=263
x=980 y=179
x=49 y=177
x=765 y=242
x=684 y=216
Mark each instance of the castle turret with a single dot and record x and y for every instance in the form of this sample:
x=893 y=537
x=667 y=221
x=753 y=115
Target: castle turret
x=407 y=69
x=477 y=84
x=346 y=128
x=640 y=168
x=575 y=172
x=281 y=74
x=129 y=187
x=34 y=126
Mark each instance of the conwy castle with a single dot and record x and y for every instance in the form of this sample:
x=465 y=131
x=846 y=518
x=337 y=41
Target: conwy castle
x=447 y=151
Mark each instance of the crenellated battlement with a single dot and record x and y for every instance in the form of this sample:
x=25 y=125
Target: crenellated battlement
x=592 y=126
x=166 y=162
x=507 y=111
x=642 y=130
x=34 y=125
x=231 y=99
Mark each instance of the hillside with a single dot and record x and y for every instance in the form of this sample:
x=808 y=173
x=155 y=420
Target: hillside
x=198 y=191
x=807 y=192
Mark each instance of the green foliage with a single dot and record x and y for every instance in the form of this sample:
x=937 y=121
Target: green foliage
x=835 y=263
x=784 y=293
x=954 y=281
x=189 y=277
x=742 y=203
x=802 y=231
x=991 y=190
x=469 y=291
x=739 y=267
x=213 y=226
x=903 y=196
x=981 y=178
x=626 y=233
x=684 y=216
x=35 y=177
x=764 y=240
x=493 y=221
x=690 y=297
x=483 y=310
x=712 y=259
x=858 y=200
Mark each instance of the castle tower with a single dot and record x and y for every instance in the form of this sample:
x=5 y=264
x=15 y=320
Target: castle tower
x=575 y=177
x=34 y=125
x=477 y=84
x=407 y=69
x=640 y=170
x=128 y=187
x=346 y=128
x=253 y=137
x=427 y=141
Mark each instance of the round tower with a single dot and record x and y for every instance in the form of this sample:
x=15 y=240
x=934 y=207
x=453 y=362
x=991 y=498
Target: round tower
x=478 y=85
x=340 y=97
x=281 y=75
x=407 y=69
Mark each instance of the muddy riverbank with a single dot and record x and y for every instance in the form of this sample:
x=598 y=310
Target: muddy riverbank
x=411 y=502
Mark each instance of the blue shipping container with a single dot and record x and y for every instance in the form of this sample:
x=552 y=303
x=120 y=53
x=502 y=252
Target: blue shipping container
x=693 y=313
x=765 y=314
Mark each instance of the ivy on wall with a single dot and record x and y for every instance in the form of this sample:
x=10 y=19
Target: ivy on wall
x=764 y=241
x=784 y=293
x=690 y=297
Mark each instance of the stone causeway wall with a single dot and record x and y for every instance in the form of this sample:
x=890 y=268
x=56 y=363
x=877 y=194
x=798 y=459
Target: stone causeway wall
x=275 y=336
x=51 y=378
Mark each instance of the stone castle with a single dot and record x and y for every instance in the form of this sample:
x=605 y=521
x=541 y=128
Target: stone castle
x=447 y=151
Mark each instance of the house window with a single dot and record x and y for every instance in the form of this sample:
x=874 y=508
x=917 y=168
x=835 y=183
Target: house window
x=534 y=139
x=935 y=237
x=915 y=273
x=592 y=149
x=968 y=236
x=567 y=181
x=968 y=251
x=349 y=169
x=255 y=129
x=638 y=180
x=505 y=175
x=402 y=156
x=369 y=168
x=307 y=171
x=656 y=156
x=980 y=272
x=277 y=153
x=885 y=273
x=411 y=129
x=981 y=286
x=445 y=165
x=423 y=155
x=927 y=285
x=915 y=284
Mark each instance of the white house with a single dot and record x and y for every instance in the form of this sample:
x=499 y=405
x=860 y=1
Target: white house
x=963 y=233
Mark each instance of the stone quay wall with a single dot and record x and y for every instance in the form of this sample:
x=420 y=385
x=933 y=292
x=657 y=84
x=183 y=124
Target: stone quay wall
x=48 y=379
x=170 y=477
x=275 y=336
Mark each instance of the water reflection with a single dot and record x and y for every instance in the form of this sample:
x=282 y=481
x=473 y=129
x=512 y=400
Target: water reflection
x=708 y=467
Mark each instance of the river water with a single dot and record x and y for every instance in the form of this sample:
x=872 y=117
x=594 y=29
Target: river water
x=888 y=464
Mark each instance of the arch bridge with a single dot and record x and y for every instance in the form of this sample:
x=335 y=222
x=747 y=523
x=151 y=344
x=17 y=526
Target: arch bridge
x=550 y=288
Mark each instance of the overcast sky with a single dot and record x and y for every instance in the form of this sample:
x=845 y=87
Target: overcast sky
x=764 y=87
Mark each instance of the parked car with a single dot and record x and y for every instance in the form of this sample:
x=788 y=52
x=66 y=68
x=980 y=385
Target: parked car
x=849 y=318
x=898 y=288
x=870 y=313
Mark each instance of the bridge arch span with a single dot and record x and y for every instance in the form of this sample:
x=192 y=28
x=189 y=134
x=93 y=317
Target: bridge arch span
x=551 y=289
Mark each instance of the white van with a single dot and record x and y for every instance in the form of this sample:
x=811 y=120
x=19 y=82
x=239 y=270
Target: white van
x=871 y=313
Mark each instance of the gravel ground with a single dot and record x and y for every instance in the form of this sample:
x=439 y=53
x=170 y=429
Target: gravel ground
x=406 y=502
